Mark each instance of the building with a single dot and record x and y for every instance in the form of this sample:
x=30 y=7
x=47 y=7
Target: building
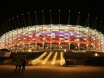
x=53 y=37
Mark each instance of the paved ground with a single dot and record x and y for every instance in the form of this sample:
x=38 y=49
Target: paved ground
x=7 y=71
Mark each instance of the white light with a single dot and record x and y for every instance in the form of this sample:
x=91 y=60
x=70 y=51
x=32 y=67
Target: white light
x=44 y=38
x=64 y=50
x=85 y=39
x=29 y=50
x=96 y=54
x=87 y=27
x=24 y=38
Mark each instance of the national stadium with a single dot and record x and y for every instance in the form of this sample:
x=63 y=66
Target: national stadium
x=53 y=37
x=63 y=41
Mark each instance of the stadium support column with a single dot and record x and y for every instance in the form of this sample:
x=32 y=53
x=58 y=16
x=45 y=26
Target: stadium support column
x=69 y=29
x=69 y=40
x=50 y=39
x=100 y=42
x=36 y=22
x=103 y=43
x=43 y=21
x=29 y=37
x=22 y=39
x=23 y=25
x=18 y=23
x=11 y=33
x=96 y=37
x=12 y=38
x=101 y=37
x=17 y=43
x=59 y=30
x=43 y=46
x=78 y=23
x=42 y=43
x=87 y=43
x=50 y=30
x=90 y=40
x=94 y=44
x=30 y=24
x=5 y=40
x=87 y=39
x=35 y=38
x=88 y=34
x=8 y=35
x=69 y=37
x=43 y=38
x=96 y=41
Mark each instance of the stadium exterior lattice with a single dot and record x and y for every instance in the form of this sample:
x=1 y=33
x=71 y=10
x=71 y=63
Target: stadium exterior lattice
x=53 y=37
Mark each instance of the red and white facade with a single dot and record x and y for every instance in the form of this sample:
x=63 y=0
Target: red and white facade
x=57 y=37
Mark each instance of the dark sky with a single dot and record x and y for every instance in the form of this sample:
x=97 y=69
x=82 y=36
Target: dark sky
x=9 y=9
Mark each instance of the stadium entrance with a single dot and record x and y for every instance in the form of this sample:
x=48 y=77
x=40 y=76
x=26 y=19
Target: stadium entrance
x=55 y=46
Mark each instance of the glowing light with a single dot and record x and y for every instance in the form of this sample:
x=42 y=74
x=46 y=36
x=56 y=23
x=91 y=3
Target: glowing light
x=62 y=59
x=36 y=60
x=54 y=59
x=47 y=58
x=96 y=54
x=72 y=34
x=30 y=50
x=62 y=34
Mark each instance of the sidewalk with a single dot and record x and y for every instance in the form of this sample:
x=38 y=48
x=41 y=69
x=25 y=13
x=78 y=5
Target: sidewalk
x=7 y=71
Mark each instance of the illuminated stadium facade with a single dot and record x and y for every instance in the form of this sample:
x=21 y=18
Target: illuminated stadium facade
x=53 y=37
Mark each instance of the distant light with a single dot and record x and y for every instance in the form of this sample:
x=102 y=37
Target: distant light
x=96 y=54
x=87 y=27
x=64 y=50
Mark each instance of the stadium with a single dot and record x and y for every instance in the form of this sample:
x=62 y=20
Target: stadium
x=53 y=37
x=64 y=42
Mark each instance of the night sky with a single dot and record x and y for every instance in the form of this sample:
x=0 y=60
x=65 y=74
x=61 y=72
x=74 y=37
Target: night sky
x=9 y=9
